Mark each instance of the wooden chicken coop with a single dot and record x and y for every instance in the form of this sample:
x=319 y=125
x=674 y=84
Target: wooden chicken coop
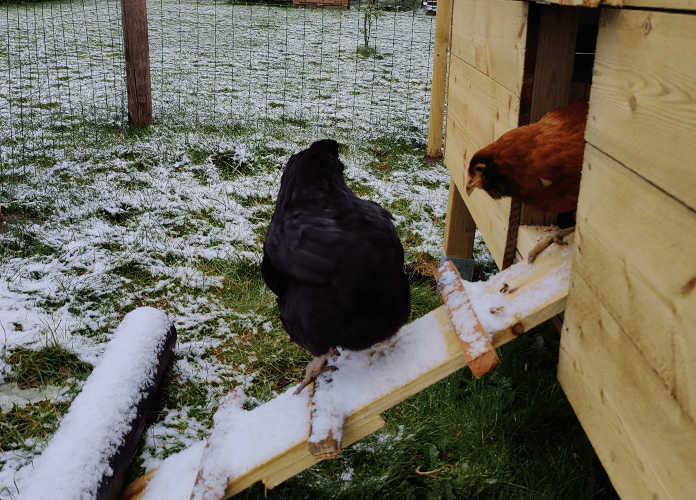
x=628 y=344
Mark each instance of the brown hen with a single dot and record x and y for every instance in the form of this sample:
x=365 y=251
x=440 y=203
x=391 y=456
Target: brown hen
x=537 y=164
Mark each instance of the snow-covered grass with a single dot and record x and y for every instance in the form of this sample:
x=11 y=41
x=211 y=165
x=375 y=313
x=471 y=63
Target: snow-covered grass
x=100 y=218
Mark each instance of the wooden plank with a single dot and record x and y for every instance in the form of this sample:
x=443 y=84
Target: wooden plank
x=555 y=54
x=642 y=436
x=358 y=425
x=523 y=296
x=514 y=290
x=643 y=106
x=437 y=97
x=635 y=250
x=460 y=228
x=492 y=216
x=478 y=351
x=137 y=53
x=482 y=106
x=491 y=36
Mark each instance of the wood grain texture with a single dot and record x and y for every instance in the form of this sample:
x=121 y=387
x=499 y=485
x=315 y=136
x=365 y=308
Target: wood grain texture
x=460 y=227
x=643 y=106
x=482 y=106
x=491 y=37
x=457 y=302
x=137 y=53
x=555 y=55
x=635 y=250
x=492 y=217
x=437 y=97
x=642 y=436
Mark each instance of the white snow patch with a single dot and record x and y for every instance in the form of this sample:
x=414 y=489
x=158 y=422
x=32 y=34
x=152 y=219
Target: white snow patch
x=365 y=376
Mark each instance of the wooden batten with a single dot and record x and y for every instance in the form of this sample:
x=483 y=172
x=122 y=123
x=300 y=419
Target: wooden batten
x=437 y=97
x=457 y=302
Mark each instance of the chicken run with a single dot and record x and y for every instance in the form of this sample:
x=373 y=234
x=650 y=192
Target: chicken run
x=605 y=278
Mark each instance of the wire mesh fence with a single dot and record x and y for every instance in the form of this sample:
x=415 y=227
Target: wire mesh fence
x=215 y=64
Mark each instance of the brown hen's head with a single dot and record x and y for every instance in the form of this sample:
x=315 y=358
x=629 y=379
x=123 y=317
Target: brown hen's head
x=484 y=173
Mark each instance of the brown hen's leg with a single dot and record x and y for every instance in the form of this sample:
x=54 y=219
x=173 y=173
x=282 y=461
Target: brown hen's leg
x=557 y=238
x=316 y=367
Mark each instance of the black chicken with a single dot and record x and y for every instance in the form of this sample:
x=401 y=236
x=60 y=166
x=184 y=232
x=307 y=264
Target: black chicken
x=334 y=261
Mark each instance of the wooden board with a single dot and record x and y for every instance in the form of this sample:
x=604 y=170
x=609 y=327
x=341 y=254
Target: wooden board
x=642 y=436
x=636 y=251
x=521 y=281
x=555 y=55
x=479 y=353
x=643 y=106
x=482 y=106
x=491 y=36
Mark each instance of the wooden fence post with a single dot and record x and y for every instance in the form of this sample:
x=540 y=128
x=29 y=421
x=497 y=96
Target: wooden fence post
x=137 y=50
x=437 y=99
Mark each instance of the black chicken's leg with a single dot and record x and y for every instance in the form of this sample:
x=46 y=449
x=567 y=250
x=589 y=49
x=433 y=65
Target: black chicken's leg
x=315 y=368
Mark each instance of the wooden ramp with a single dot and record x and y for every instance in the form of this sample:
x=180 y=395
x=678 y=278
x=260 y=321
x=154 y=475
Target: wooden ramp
x=347 y=405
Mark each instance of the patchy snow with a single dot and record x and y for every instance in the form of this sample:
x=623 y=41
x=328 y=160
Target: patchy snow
x=176 y=476
x=11 y=394
x=461 y=312
x=241 y=440
x=365 y=376
x=77 y=457
x=97 y=203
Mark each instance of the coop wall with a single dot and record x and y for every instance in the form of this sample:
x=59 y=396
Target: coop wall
x=510 y=63
x=628 y=348
x=485 y=83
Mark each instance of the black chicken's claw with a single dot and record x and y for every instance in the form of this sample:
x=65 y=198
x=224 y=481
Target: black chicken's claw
x=315 y=368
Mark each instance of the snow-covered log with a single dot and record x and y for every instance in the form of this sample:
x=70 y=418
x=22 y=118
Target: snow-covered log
x=93 y=446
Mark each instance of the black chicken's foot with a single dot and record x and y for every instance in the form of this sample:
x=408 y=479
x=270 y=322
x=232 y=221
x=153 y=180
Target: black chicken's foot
x=557 y=238
x=315 y=368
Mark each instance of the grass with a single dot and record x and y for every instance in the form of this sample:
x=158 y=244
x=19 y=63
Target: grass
x=101 y=217
x=50 y=365
x=511 y=434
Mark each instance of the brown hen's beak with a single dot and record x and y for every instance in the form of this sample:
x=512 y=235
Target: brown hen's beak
x=472 y=183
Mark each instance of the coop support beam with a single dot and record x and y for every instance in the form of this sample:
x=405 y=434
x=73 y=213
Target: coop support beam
x=437 y=99
x=460 y=228
x=137 y=52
